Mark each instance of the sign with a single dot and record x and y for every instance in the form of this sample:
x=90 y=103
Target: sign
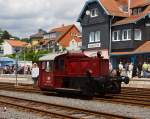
x=94 y=45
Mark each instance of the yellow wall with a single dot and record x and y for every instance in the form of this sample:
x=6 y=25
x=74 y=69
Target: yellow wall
x=35 y=42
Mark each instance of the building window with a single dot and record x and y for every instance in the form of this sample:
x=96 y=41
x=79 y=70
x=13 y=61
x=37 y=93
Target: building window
x=139 y=10
x=137 y=34
x=97 y=36
x=91 y=37
x=115 y=36
x=126 y=34
x=94 y=36
x=52 y=35
x=94 y=12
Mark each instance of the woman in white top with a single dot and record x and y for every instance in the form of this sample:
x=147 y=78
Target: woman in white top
x=35 y=73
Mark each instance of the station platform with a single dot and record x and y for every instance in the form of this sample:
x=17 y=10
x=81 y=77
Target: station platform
x=22 y=79
x=26 y=79
x=138 y=83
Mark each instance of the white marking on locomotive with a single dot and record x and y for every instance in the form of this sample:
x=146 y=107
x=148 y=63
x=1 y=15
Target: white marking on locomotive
x=48 y=78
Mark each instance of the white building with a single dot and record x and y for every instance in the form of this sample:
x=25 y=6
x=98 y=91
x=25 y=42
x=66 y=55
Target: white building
x=13 y=46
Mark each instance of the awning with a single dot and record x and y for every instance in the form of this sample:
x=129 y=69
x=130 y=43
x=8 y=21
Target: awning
x=143 y=49
x=6 y=59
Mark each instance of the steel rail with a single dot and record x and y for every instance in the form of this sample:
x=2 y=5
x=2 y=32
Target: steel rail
x=72 y=109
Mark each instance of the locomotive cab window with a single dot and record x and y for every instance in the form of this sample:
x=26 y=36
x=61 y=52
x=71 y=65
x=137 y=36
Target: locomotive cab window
x=43 y=65
x=59 y=64
x=49 y=66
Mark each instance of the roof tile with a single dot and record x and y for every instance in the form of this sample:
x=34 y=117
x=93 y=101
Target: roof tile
x=17 y=43
x=113 y=7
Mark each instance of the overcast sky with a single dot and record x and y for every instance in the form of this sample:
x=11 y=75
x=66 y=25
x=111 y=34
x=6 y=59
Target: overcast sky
x=24 y=17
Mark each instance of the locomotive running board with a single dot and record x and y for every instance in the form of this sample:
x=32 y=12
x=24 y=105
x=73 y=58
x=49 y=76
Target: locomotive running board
x=68 y=90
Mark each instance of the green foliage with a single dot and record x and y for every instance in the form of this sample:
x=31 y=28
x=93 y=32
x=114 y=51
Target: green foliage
x=29 y=55
x=15 y=37
x=13 y=56
x=35 y=55
x=5 y=35
x=1 y=41
x=28 y=40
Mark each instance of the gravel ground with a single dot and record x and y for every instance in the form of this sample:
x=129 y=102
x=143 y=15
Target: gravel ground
x=134 y=111
x=11 y=113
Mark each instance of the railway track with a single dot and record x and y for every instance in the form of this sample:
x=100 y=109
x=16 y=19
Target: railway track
x=130 y=96
x=58 y=111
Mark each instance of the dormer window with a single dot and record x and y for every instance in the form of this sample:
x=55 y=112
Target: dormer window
x=137 y=11
x=94 y=12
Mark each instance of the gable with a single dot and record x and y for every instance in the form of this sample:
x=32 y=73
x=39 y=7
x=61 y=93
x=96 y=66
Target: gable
x=111 y=7
x=65 y=40
x=87 y=4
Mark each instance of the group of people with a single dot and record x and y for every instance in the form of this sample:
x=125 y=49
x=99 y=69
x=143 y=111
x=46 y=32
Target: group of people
x=131 y=70
x=12 y=69
x=33 y=71
x=126 y=70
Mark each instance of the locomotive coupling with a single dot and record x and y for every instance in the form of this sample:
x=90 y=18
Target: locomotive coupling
x=121 y=79
x=124 y=79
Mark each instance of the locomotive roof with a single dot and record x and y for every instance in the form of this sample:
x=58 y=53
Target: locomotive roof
x=52 y=56
x=73 y=55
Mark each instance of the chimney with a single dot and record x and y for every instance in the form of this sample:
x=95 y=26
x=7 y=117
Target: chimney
x=62 y=25
x=129 y=7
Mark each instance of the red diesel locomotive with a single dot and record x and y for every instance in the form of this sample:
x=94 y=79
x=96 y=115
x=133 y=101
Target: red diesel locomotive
x=77 y=72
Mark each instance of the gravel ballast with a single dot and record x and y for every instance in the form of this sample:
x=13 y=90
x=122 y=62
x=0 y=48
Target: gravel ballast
x=11 y=113
x=133 y=111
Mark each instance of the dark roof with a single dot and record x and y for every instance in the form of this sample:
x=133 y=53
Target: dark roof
x=115 y=8
x=39 y=34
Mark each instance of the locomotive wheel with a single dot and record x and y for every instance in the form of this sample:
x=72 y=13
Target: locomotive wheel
x=87 y=89
x=116 y=87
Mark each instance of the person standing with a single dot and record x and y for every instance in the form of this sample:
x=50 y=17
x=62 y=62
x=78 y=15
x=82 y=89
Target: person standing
x=120 y=67
x=126 y=67
x=145 y=68
x=130 y=70
x=35 y=73
x=139 y=67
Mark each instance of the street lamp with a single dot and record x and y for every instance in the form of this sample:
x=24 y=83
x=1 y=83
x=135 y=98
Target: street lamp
x=16 y=72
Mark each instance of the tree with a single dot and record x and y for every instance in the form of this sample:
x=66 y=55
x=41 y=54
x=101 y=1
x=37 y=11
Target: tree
x=5 y=35
x=1 y=41
x=28 y=40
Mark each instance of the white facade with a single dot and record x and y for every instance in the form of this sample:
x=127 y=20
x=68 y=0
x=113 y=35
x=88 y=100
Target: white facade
x=8 y=49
